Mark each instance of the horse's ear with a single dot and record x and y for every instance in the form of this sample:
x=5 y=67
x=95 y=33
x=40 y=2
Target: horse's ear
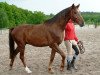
x=73 y=5
x=78 y=5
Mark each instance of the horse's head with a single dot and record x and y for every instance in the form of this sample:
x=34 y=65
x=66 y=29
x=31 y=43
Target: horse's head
x=75 y=15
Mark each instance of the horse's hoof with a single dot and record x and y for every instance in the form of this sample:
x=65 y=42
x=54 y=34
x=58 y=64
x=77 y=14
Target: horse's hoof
x=10 y=68
x=62 y=70
x=51 y=71
x=28 y=70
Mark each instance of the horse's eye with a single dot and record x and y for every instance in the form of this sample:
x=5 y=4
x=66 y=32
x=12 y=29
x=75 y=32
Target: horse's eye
x=74 y=12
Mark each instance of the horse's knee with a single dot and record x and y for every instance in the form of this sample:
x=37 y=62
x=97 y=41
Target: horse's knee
x=51 y=59
x=63 y=56
x=21 y=55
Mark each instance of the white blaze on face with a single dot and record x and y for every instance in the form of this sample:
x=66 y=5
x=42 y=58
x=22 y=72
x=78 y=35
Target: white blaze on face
x=28 y=70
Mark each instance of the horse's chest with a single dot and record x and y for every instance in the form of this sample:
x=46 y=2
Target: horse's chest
x=58 y=37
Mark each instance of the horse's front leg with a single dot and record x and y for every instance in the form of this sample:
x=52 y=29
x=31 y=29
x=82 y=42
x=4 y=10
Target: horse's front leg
x=63 y=61
x=57 y=49
x=53 y=52
x=63 y=57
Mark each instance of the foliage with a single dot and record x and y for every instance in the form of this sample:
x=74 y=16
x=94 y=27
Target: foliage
x=37 y=17
x=11 y=16
x=3 y=19
x=91 y=18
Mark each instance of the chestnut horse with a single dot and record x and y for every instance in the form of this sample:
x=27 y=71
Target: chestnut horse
x=50 y=33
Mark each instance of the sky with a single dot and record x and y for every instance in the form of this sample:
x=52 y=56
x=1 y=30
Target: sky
x=54 y=6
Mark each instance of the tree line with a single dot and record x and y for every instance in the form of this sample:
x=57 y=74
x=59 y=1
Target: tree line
x=91 y=18
x=11 y=16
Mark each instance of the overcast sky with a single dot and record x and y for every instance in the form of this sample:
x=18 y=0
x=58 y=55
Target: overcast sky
x=54 y=6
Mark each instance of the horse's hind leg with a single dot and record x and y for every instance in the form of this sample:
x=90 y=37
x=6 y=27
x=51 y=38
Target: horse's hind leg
x=22 y=49
x=51 y=60
x=16 y=51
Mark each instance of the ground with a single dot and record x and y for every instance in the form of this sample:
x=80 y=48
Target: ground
x=37 y=58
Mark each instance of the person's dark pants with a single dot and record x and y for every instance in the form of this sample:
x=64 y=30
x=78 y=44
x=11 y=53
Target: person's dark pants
x=75 y=49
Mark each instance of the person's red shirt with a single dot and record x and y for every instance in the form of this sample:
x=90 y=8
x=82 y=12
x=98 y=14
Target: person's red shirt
x=70 y=31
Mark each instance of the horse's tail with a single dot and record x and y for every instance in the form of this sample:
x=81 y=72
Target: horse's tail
x=11 y=44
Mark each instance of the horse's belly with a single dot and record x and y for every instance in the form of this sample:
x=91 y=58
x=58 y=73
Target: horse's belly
x=39 y=42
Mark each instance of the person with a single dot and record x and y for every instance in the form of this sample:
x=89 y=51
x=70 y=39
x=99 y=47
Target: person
x=71 y=41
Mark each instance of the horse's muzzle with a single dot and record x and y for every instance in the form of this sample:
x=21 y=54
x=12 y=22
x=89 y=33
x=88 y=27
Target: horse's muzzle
x=82 y=24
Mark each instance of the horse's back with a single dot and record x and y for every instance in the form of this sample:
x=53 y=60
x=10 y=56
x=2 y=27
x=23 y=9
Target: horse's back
x=25 y=28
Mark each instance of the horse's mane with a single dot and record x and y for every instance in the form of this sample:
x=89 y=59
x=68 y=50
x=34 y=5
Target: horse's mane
x=57 y=16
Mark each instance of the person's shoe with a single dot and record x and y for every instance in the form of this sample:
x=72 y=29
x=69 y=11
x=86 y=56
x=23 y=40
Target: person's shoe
x=74 y=67
x=73 y=64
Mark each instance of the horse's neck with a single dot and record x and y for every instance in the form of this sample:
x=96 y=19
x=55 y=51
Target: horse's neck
x=59 y=20
x=61 y=23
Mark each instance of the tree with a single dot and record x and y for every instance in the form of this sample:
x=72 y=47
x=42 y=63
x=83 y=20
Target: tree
x=38 y=17
x=4 y=22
